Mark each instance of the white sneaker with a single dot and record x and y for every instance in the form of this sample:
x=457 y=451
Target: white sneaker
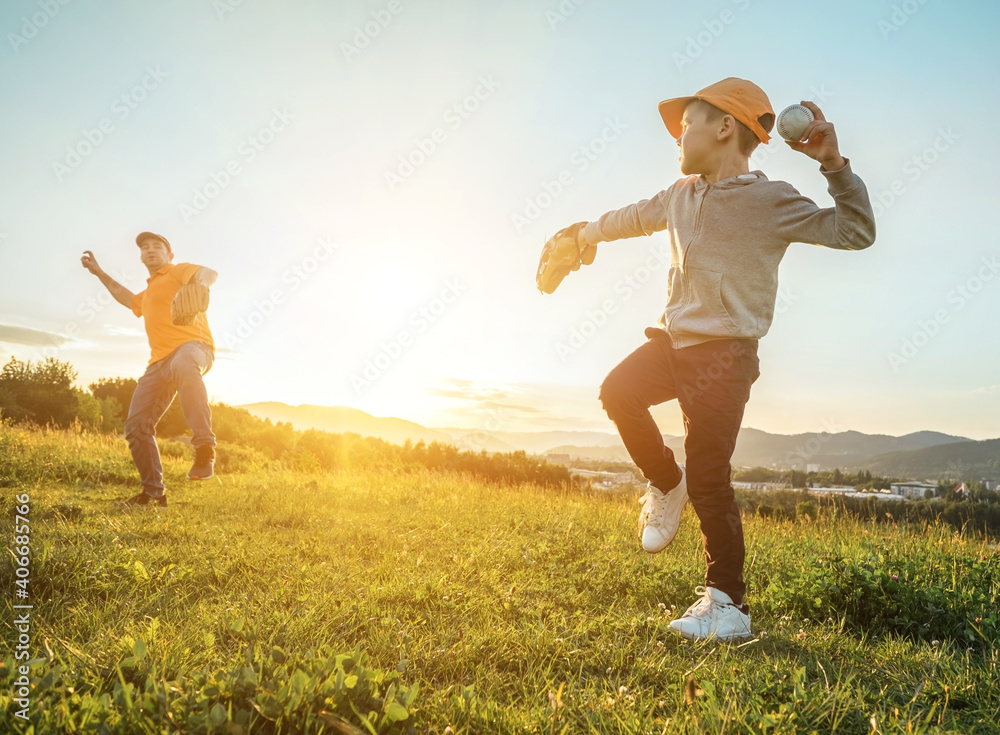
x=661 y=515
x=713 y=616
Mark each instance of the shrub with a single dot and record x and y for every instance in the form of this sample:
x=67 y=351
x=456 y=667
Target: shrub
x=274 y=692
x=885 y=594
x=806 y=510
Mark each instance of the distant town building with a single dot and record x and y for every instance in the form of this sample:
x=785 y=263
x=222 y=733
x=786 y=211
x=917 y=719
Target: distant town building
x=839 y=490
x=990 y=484
x=961 y=490
x=913 y=490
x=605 y=480
x=812 y=468
x=760 y=485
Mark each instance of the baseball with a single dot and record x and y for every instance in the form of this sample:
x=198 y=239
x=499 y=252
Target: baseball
x=793 y=120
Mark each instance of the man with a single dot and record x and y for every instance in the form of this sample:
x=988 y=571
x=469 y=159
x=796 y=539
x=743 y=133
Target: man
x=181 y=355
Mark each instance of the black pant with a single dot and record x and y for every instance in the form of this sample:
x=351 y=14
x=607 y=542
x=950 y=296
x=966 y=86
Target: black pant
x=711 y=382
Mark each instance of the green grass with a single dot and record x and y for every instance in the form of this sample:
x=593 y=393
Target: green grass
x=296 y=602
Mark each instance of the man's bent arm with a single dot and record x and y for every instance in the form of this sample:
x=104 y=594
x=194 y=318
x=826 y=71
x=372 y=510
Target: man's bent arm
x=205 y=276
x=121 y=294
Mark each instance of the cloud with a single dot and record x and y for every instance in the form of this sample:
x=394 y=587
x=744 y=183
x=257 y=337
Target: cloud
x=485 y=398
x=116 y=331
x=521 y=406
x=32 y=337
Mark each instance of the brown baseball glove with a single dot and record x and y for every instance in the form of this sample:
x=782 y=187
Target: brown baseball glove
x=564 y=252
x=189 y=301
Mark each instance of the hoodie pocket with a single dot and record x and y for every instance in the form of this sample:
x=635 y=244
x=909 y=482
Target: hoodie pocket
x=705 y=311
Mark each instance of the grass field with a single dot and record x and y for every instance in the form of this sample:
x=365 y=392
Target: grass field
x=409 y=601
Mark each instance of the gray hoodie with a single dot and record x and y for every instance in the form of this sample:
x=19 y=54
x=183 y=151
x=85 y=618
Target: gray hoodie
x=727 y=239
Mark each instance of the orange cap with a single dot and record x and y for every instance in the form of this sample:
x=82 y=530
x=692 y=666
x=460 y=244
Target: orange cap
x=152 y=235
x=742 y=99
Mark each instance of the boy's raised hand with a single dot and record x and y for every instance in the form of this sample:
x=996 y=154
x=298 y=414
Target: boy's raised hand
x=820 y=140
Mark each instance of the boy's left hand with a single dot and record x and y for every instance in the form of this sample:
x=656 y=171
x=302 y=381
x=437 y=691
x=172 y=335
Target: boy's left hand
x=820 y=140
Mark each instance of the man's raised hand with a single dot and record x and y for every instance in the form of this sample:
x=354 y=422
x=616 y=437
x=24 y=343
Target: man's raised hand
x=90 y=262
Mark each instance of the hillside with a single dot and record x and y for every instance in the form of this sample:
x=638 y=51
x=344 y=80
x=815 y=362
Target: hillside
x=847 y=450
x=962 y=459
x=400 y=599
x=540 y=442
x=342 y=419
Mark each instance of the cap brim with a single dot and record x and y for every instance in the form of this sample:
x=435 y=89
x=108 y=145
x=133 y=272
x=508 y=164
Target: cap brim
x=152 y=235
x=672 y=111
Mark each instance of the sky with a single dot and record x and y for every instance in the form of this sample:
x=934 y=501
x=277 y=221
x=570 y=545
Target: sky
x=374 y=181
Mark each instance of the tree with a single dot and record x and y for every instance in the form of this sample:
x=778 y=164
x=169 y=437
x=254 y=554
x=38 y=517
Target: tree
x=42 y=393
x=120 y=390
x=89 y=410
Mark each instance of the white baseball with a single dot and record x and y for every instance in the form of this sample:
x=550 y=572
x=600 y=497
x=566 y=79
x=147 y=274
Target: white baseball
x=793 y=121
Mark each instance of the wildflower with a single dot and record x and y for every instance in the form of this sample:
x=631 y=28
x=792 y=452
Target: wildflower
x=659 y=644
x=935 y=642
x=801 y=635
x=894 y=576
x=622 y=691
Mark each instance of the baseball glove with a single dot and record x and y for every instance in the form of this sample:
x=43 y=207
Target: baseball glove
x=189 y=301
x=563 y=253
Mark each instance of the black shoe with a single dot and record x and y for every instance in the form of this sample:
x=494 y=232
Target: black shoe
x=204 y=463
x=144 y=499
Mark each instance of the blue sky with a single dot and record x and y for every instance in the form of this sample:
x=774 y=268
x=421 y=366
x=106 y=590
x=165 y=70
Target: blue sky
x=373 y=181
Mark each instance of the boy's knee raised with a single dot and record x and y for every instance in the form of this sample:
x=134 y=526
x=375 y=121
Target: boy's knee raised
x=613 y=394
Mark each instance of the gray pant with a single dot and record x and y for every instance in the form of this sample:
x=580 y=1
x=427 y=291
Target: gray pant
x=180 y=372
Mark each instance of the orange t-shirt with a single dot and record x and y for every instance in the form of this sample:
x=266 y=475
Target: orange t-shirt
x=154 y=304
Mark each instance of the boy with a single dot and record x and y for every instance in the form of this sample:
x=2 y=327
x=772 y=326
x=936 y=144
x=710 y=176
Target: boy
x=728 y=228
x=182 y=352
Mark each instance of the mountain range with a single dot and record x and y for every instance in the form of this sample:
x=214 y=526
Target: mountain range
x=922 y=454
